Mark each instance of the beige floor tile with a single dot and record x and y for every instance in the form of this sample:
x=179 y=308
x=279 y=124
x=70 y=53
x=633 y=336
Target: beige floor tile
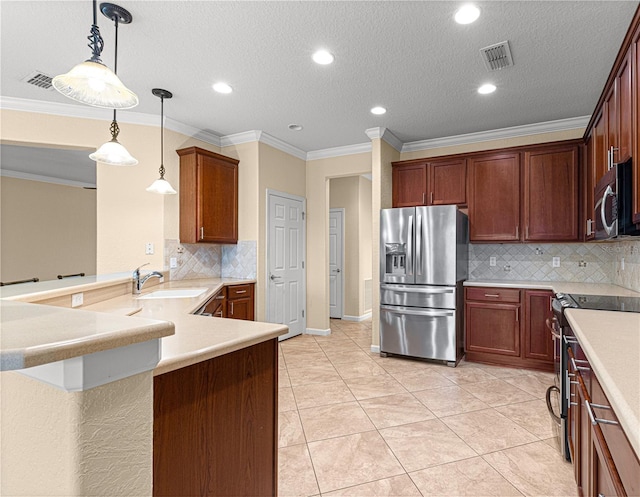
x=334 y=420
x=359 y=368
x=394 y=410
x=286 y=400
x=335 y=336
x=535 y=385
x=303 y=361
x=341 y=356
x=283 y=378
x=533 y=416
x=290 y=429
x=488 y=430
x=396 y=486
x=449 y=400
x=460 y=376
x=554 y=443
x=424 y=444
x=471 y=477
x=322 y=394
x=314 y=373
x=497 y=392
x=352 y=460
x=300 y=342
x=366 y=387
x=295 y=472
x=535 y=469
x=499 y=371
x=401 y=365
x=422 y=380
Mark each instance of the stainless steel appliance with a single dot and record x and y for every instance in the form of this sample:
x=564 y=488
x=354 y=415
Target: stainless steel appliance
x=423 y=262
x=564 y=338
x=614 y=209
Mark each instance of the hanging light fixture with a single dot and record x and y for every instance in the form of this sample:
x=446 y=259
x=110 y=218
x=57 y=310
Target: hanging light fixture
x=113 y=152
x=93 y=83
x=161 y=185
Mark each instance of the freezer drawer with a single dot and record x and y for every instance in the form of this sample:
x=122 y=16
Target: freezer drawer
x=425 y=333
x=439 y=297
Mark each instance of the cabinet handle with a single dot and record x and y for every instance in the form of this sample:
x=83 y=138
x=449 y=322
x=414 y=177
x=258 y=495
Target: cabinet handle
x=497 y=295
x=201 y=232
x=517 y=314
x=517 y=231
x=526 y=231
x=594 y=420
x=220 y=297
x=241 y=291
x=589 y=227
x=424 y=198
x=431 y=198
x=578 y=368
x=218 y=314
x=232 y=307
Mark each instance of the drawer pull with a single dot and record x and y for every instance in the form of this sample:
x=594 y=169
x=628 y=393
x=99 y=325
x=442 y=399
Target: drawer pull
x=496 y=295
x=576 y=367
x=573 y=403
x=220 y=297
x=240 y=291
x=594 y=420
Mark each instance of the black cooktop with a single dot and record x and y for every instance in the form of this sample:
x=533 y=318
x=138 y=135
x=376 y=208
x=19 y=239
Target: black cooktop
x=603 y=302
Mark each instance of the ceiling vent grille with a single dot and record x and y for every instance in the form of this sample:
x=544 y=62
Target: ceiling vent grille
x=39 y=79
x=497 y=56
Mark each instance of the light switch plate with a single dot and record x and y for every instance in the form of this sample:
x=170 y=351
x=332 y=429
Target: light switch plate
x=77 y=299
x=148 y=249
x=492 y=261
x=173 y=263
x=556 y=262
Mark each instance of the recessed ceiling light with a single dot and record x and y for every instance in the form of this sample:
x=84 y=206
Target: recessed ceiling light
x=467 y=14
x=222 y=88
x=486 y=89
x=323 y=57
x=295 y=127
x=378 y=111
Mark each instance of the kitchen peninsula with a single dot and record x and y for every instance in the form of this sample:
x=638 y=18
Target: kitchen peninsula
x=211 y=397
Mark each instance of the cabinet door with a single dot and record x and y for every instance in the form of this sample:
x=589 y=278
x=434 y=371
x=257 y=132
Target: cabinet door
x=493 y=328
x=409 y=185
x=600 y=144
x=240 y=309
x=217 y=200
x=216 y=304
x=448 y=182
x=635 y=51
x=551 y=194
x=624 y=110
x=538 y=343
x=494 y=198
x=582 y=467
x=588 y=183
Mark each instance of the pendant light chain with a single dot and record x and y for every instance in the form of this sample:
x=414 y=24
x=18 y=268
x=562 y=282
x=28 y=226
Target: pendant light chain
x=96 y=43
x=114 y=128
x=162 y=137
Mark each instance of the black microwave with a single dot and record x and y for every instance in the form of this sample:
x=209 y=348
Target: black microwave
x=613 y=211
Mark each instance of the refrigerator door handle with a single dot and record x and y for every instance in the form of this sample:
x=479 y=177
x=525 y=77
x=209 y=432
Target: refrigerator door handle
x=415 y=312
x=409 y=262
x=414 y=289
x=419 y=246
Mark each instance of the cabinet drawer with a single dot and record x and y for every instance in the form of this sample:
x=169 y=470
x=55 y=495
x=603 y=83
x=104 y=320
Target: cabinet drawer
x=240 y=291
x=492 y=294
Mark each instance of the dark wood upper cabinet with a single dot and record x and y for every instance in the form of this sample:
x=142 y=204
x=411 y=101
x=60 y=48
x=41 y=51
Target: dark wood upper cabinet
x=600 y=149
x=430 y=182
x=551 y=194
x=624 y=111
x=494 y=197
x=587 y=186
x=208 y=197
x=635 y=51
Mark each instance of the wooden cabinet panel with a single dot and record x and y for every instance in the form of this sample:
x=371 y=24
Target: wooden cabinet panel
x=551 y=194
x=600 y=150
x=448 y=182
x=215 y=426
x=240 y=304
x=208 y=197
x=611 y=116
x=217 y=304
x=635 y=56
x=624 y=111
x=494 y=198
x=538 y=343
x=409 y=185
x=493 y=328
x=587 y=186
x=485 y=294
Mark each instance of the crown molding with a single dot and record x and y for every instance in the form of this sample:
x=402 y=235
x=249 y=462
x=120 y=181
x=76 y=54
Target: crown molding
x=44 y=179
x=339 y=151
x=499 y=134
x=240 y=138
x=386 y=135
x=285 y=147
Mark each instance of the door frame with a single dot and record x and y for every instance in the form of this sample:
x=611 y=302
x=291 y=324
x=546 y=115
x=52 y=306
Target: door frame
x=341 y=210
x=290 y=196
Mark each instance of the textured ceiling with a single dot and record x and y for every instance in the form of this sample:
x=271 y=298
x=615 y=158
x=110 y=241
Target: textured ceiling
x=410 y=57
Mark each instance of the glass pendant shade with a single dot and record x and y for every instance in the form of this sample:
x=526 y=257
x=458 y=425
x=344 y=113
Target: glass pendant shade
x=95 y=84
x=161 y=186
x=114 y=154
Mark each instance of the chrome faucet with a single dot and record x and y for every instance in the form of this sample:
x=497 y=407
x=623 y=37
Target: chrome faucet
x=138 y=282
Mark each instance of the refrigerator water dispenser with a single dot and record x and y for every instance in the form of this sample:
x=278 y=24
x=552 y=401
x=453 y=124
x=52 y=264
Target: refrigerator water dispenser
x=396 y=258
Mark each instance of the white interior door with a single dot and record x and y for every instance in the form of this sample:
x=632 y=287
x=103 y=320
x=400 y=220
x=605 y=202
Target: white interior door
x=336 y=258
x=286 y=288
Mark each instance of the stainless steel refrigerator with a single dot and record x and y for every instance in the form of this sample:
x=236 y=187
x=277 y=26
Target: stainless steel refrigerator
x=424 y=260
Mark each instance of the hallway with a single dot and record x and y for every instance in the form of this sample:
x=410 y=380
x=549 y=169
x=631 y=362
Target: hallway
x=353 y=423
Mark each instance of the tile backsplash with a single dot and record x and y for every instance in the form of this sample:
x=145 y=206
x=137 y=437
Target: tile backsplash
x=211 y=261
x=587 y=262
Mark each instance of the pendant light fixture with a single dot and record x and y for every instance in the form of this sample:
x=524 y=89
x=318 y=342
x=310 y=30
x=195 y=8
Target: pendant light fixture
x=161 y=185
x=112 y=152
x=93 y=83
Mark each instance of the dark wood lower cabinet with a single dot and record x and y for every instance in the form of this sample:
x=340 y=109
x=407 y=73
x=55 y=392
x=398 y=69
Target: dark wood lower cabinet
x=215 y=426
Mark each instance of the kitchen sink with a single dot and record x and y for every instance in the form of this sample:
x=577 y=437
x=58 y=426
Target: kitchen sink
x=178 y=293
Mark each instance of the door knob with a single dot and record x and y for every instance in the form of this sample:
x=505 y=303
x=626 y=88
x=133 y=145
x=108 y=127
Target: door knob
x=338 y=270
x=274 y=277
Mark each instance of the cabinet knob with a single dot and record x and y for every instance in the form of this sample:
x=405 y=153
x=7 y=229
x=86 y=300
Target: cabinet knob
x=201 y=232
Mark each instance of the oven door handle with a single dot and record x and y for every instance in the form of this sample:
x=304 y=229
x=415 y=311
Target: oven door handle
x=551 y=328
x=603 y=215
x=554 y=416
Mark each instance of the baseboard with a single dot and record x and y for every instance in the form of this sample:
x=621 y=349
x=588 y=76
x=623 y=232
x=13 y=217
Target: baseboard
x=364 y=317
x=316 y=331
x=375 y=349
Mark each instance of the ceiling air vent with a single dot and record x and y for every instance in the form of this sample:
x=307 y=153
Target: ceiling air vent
x=497 y=56
x=39 y=79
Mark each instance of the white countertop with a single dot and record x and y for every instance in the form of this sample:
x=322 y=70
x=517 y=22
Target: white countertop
x=611 y=342
x=32 y=334
x=558 y=287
